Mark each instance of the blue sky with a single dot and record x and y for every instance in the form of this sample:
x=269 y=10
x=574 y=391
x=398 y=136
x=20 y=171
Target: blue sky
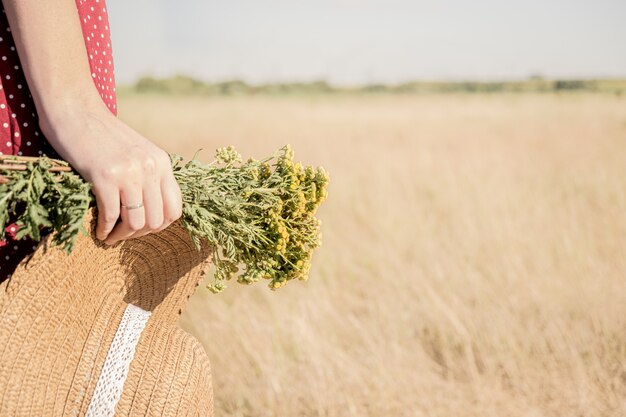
x=363 y=41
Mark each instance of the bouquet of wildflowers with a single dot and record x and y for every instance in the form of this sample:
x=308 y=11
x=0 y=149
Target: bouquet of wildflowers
x=258 y=216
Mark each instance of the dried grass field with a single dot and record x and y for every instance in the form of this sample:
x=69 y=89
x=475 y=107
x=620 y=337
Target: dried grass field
x=473 y=264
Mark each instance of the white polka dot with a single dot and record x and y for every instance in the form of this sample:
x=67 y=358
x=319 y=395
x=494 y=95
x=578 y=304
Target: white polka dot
x=19 y=86
x=28 y=143
x=36 y=133
x=4 y=58
x=22 y=105
x=16 y=67
x=25 y=124
x=13 y=115
x=11 y=96
x=3 y=106
x=8 y=77
x=13 y=48
x=19 y=153
x=5 y=125
x=39 y=152
x=16 y=134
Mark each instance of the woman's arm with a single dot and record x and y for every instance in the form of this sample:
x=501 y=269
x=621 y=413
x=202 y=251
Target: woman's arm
x=124 y=167
x=50 y=44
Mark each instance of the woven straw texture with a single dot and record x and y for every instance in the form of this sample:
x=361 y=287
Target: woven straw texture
x=59 y=315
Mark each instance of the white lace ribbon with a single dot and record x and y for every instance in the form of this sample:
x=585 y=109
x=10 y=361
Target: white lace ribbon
x=115 y=369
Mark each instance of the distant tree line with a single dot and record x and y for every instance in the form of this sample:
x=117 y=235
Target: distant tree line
x=185 y=85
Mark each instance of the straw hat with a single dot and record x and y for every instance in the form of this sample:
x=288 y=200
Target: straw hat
x=95 y=334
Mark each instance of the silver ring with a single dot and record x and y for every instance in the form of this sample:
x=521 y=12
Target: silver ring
x=133 y=206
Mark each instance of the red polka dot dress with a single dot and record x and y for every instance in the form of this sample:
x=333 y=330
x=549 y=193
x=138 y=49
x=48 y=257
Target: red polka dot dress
x=19 y=125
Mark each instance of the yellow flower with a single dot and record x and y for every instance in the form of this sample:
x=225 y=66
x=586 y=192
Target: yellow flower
x=274 y=285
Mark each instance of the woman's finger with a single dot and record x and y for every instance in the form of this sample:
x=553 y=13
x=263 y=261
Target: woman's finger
x=108 y=203
x=153 y=208
x=172 y=201
x=132 y=213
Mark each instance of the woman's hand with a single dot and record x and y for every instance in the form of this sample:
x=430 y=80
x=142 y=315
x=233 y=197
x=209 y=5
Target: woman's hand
x=125 y=169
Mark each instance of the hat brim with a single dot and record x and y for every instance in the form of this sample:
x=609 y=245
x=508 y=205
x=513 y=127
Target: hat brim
x=59 y=314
